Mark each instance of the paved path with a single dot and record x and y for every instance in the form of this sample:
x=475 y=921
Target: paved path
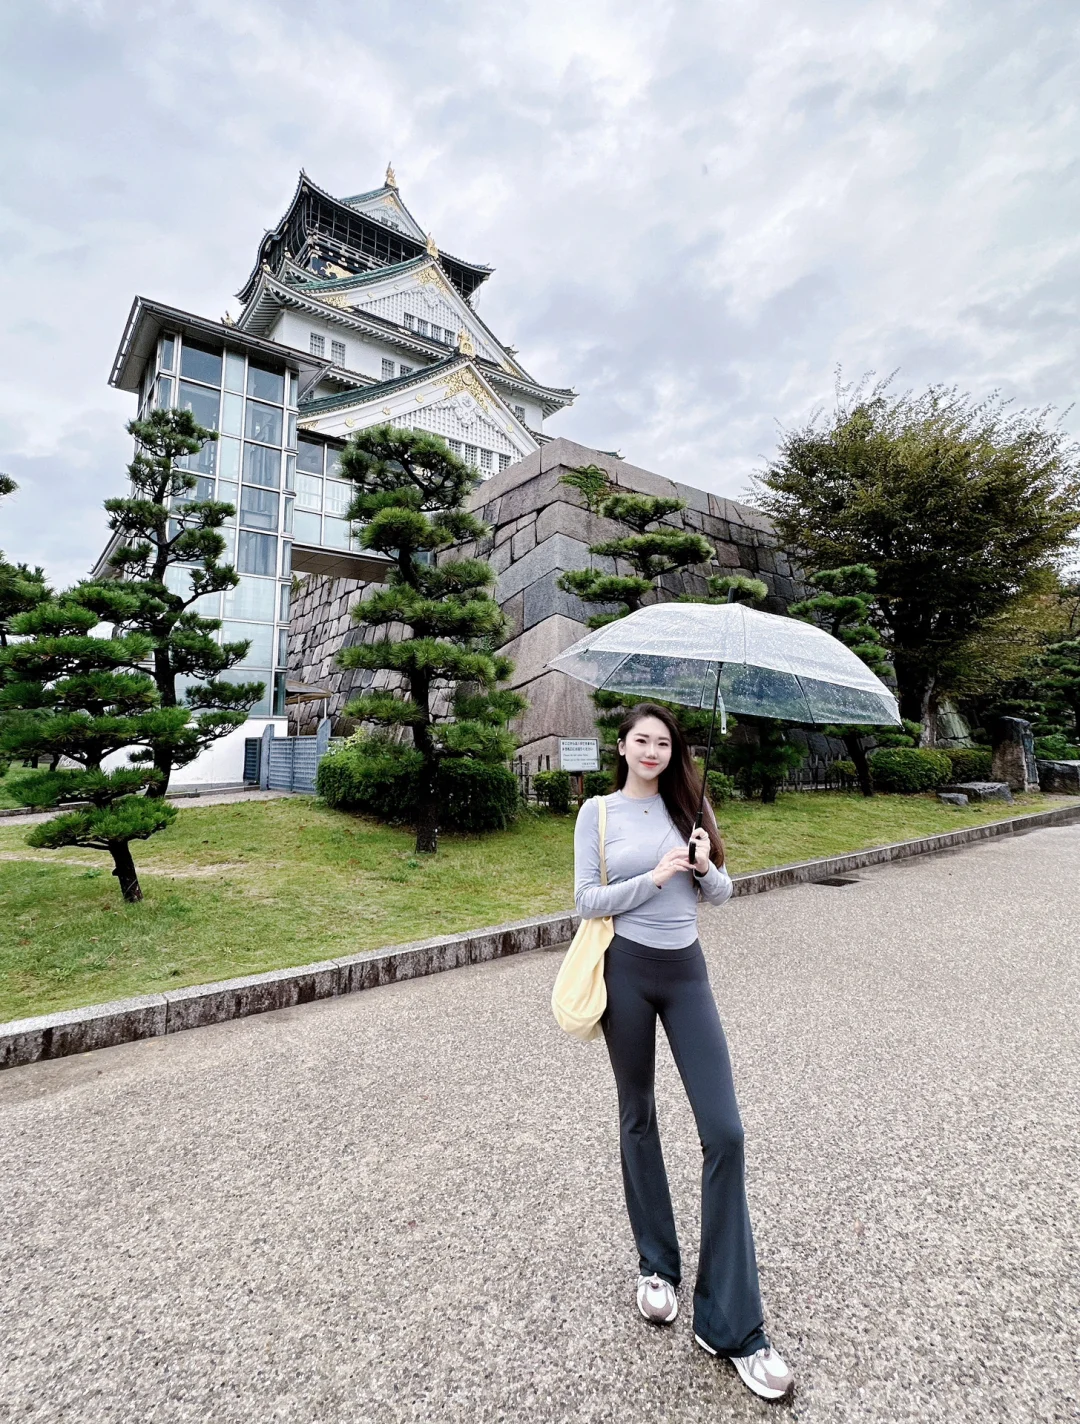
x=210 y=798
x=405 y=1205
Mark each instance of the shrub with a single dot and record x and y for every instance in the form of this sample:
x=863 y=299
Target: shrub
x=598 y=783
x=909 y=769
x=969 y=763
x=477 y=795
x=382 y=779
x=721 y=787
x=1056 y=747
x=553 y=789
x=845 y=768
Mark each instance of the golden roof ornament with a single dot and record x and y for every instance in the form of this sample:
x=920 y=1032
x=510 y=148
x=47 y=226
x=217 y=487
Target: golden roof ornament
x=430 y=245
x=465 y=343
x=391 y=178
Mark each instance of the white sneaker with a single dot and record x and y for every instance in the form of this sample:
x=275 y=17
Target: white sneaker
x=656 y=1299
x=764 y=1372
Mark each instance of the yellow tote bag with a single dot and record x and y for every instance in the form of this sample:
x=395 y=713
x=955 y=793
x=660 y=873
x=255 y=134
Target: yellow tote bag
x=580 y=994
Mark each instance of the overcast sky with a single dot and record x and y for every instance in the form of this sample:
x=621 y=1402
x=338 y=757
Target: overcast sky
x=696 y=211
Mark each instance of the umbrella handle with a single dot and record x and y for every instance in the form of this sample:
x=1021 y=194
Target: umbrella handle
x=717 y=699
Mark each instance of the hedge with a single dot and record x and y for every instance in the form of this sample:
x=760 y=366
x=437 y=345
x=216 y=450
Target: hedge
x=382 y=779
x=970 y=763
x=910 y=769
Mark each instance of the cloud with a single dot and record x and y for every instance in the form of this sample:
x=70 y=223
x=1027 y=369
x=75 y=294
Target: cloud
x=695 y=210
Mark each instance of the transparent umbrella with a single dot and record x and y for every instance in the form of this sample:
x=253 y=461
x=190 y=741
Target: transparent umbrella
x=732 y=658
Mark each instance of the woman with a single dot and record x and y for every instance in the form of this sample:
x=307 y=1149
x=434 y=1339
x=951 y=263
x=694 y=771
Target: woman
x=654 y=967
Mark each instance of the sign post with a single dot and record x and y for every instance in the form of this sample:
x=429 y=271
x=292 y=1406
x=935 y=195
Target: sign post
x=579 y=755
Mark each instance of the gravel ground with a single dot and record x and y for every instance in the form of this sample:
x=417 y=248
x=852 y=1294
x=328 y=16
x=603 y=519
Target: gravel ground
x=405 y=1205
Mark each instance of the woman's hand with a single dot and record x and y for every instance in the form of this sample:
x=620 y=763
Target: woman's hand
x=670 y=864
x=700 y=838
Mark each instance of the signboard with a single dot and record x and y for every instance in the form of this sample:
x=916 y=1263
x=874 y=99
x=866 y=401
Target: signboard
x=579 y=754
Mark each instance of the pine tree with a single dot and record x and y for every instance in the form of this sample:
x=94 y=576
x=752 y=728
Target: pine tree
x=410 y=492
x=162 y=528
x=844 y=608
x=21 y=587
x=65 y=693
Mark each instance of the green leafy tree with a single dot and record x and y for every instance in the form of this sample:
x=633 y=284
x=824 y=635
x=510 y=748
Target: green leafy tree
x=162 y=528
x=959 y=506
x=844 y=608
x=410 y=495
x=21 y=587
x=65 y=693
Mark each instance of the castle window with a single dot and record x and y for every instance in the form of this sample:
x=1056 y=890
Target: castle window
x=504 y=460
x=337 y=351
x=317 y=344
x=421 y=328
x=387 y=370
x=485 y=459
x=470 y=454
x=519 y=411
x=455 y=447
x=405 y=370
x=410 y=322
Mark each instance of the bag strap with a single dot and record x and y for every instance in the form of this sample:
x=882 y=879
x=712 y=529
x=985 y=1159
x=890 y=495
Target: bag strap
x=601 y=811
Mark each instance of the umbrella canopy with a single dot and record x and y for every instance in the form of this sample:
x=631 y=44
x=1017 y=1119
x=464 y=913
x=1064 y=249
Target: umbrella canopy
x=769 y=666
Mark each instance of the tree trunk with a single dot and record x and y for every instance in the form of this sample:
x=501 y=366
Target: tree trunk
x=125 y=872
x=163 y=764
x=427 y=824
x=857 y=751
x=928 y=715
x=769 y=788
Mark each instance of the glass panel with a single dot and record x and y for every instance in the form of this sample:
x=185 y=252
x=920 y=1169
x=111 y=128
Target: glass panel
x=252 y=597
x=263 y=423
x=246 y=674
x=308 y=492
x=336 y=533
x=257 y=554
x=228 y=493
x=168 y=352
x=258 y=508
x=307 y=527
x=203 y=463
x=261 y=636
x=290 y=472
x=262 y=467
x=284 y=599
x=309 y=456
x=200 y=363
x=294 y=386
x=338 y=497
x=202 y=403
x=279 y=694
x=232 y=415
x=333 y=461
x=228 y=458
x=265 y=385
x=164 y=397
x=286 y=556
x=234 y=371
x=209 y=606
x=291 y=441
x=286 y=523
x=282 y=647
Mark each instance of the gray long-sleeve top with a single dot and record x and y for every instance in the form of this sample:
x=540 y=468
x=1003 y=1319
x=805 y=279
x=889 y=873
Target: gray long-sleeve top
x=639 y=832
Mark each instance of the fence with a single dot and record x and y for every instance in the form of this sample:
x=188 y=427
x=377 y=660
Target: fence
x=285 y=763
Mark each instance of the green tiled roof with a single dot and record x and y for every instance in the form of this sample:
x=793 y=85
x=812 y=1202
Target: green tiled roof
x=377 y=391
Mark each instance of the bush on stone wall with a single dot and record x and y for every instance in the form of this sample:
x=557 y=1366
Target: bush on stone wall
x=970 y=763
x=910 y=769
x=382 y=779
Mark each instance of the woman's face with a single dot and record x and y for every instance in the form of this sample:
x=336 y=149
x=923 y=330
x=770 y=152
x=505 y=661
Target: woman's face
x=647 y=748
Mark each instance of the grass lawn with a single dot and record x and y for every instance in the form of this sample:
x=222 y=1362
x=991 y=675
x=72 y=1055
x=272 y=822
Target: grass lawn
x=233 y=890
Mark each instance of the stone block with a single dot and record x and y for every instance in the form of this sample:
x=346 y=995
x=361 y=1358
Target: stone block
x=1059 y=777
x=81 y=1030
x=523 y=541
x=502 y=535
x=727 y=555
x=501 y=557
x=514 y=608
x=537 y=645
x=695 y=498
x=952 y=798
x=561 y=517
x=1014 y=754
x=559 y=706
x=981 y=790
x=559 y=552
x=544 y=598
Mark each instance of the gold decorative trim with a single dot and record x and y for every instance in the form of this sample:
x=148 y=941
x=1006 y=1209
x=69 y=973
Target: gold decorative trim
x=391 y=178
x=332 y=299
x=466 y=381
x=465 y=343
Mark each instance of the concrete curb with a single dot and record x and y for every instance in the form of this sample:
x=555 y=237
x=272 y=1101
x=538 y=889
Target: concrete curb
x=24 y=1041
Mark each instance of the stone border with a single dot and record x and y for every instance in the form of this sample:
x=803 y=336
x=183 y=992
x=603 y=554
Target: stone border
x=24 y=1041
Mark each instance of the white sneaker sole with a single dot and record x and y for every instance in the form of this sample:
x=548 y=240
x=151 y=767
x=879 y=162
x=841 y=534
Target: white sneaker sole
x=652 y=1319
x=761 y=1390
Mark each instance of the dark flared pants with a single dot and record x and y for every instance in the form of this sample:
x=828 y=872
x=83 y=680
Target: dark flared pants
x=643 y=983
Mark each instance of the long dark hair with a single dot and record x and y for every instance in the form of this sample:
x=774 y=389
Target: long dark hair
x=680 y=781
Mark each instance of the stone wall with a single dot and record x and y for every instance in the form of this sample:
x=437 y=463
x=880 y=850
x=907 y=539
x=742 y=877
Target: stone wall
x=541 y=529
